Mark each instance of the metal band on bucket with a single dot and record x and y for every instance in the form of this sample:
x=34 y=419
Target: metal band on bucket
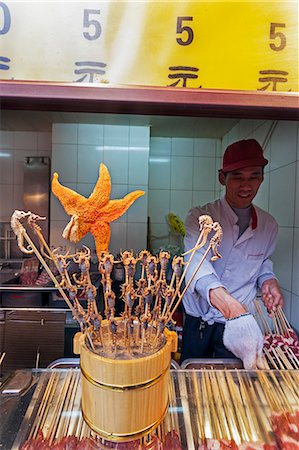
x=110 y=387
x=125 y=437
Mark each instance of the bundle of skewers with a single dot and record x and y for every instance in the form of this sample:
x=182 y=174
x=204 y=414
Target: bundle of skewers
x=209 y=409
x=281 y=344
x=149 y=302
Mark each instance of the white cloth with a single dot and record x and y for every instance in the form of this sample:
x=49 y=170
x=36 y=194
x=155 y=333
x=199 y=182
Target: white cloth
x=243 y=337
x=244 y=265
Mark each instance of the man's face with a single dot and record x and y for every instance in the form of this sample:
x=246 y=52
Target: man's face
x=242 y=185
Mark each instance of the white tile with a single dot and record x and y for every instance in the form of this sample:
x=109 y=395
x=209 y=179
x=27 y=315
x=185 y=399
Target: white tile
x=6 y=139
x=90 y=134
x=180 y=203
x=297 y=196
x=88 y=240
x=117 y=162
x=294 y=319
x=138 y=165
x=233 y=134
x=245 y=128
x=200 y=198
x=18 y=197
x=287 y=297
x=159 y=235
x=282 y=194
x=139 y=137
x=89 y=160
x=204 y=174
x=25 y=140
x=118 y=191
x=218 y=149
x=56 y=239
x=205 y=147
x=84 y=189
x=65 y=133
x=118 y=240
x=283 y=144
x=18 y=164
x=6 y=166
x=160 y=146
x=57 y=210
x=256 y=123
x=6 y=201
x=159 y=172
x=116 y=136
x=181 y=172
x=44 y=142
x=295 y=280
x=158 y=205
x=138 y=211
x=260 y=133
x=65 y=161
x=182 y=146
x=224 y=143
x=262 y=197
x=136 y=236
x=282 y=257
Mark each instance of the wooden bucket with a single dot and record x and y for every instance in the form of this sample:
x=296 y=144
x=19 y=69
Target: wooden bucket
x=123 y=400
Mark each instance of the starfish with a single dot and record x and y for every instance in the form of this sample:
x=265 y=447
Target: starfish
x=95 y=213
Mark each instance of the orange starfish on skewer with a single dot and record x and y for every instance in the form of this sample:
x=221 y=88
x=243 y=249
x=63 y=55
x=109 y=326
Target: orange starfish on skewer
x=92 y=214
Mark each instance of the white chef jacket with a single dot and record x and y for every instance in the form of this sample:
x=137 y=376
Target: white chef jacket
x=244 y=265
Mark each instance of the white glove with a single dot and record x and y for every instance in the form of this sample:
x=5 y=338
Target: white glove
x=243 y=337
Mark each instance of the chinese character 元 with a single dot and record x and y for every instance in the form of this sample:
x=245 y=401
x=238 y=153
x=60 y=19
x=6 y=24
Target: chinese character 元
x=89 y=68
x=184 y=73
x=272 y=76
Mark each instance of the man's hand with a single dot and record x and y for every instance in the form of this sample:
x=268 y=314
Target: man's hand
x=271 y=294
x=243 y=337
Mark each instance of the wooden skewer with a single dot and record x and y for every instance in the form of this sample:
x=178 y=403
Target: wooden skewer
x=261 y=415
x=293 y=357
x=229 y=405
x=58 y=408
x=269 y=358
x=268 y=391
x=185 y=405
x=44 y=405
x=200 y=406
x=219 y=407
x=48 y=270
x=279 y=308
x=2 y=357
x=251 y=414
x=186 y=287
x=278 y=359
x=238 y=403
x=281 y=395
x=291 y=384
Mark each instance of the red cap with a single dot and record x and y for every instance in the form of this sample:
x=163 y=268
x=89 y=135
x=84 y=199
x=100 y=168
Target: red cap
x=245 y=153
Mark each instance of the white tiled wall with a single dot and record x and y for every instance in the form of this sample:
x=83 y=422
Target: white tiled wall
x=14 y=147
x=78 y=150
x=279 y=195
x=182 y=174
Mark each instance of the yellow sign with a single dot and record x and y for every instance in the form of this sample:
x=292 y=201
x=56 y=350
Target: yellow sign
x=248 y=45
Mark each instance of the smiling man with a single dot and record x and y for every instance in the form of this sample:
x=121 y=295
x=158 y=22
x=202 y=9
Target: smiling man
x=219 y=301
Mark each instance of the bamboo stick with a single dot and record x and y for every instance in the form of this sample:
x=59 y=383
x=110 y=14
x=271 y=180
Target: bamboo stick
x=48 y=270
x=199 y=404
x=2 y=357
x=238 y=402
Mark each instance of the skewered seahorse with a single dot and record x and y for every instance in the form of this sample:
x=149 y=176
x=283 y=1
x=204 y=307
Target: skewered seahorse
x=19 y=229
